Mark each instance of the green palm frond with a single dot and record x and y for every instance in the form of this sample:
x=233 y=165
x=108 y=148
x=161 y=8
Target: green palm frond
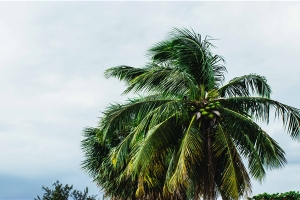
x=150 y=146
x=119 y=154
x=246 y=85
x=94 y=151
x=259 y=108
x=164 y=79
x=122 y=116
x=113 y=181
x=235 y=180
x=255 y=164
x=187 y=50
x=177 y=109
x=190 y=153
x=272 y=154
x=124 y=73
x=254 y=143
x=218 y=70
x=245 y=134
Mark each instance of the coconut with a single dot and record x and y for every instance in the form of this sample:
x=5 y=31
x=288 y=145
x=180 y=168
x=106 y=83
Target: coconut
x=211 y=116
x=204 y=113
x=207 y=108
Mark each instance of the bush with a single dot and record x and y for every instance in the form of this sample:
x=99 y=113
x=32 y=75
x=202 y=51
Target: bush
x=292 y=195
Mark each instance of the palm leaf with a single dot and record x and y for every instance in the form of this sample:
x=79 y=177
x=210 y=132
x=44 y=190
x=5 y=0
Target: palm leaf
x=188 y=51
x=246 y=86
x=119 y=154
x=94 y=151
x=124 y=115
x=235 y=180
x=124 y=73
x=253 y=143
x=259 y=108
x=245 y=134
x=165 y=80
x=150 y=146
x=189 y=154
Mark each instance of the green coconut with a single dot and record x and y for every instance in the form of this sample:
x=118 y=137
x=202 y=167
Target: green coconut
x=212 y=107
x=211 y=116
x=207 y=108
x=204 y=113
x=201 y=109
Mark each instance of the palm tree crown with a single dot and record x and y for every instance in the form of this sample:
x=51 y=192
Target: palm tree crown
x=186 y=138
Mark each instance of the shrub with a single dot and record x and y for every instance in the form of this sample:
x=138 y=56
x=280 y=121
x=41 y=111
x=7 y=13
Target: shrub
x=292 y=195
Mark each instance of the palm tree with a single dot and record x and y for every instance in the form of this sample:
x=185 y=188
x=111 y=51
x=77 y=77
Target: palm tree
x=187 y=138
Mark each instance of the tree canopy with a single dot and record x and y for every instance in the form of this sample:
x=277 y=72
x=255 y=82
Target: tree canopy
x=187 y=133
x=61 y=192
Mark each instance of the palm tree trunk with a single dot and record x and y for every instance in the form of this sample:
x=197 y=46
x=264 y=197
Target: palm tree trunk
x=209 y=187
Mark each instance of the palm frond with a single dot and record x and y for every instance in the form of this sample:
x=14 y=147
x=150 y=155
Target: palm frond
x=124 y=115
x=119 y=154
x=190 y=153
x=188 y=51
x=272 y=154
x=124 y=73
x=245 y=134
x=165 y=80
x=150 y=146
x=235 y=179
x=254 y=143
x=246 y=85
x=94 y=151
x=113 y=181
x=259 y=108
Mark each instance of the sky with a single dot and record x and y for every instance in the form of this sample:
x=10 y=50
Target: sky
x=52 y=59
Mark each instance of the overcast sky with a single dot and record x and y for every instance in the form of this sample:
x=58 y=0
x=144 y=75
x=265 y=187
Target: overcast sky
x=52 y=59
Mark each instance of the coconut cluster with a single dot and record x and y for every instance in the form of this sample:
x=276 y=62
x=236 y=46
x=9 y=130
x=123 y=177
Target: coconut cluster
x=208 y=111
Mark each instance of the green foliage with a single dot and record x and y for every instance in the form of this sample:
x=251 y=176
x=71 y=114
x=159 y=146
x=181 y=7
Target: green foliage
x=61 y=192
x=188 y=136
x=292 y=195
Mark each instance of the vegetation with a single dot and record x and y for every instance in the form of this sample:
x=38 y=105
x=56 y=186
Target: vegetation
x=292 y=195
x=61 y=192
x=186 y=134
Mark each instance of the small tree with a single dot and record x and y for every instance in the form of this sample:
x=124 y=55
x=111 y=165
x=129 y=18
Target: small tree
x=61 y=192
